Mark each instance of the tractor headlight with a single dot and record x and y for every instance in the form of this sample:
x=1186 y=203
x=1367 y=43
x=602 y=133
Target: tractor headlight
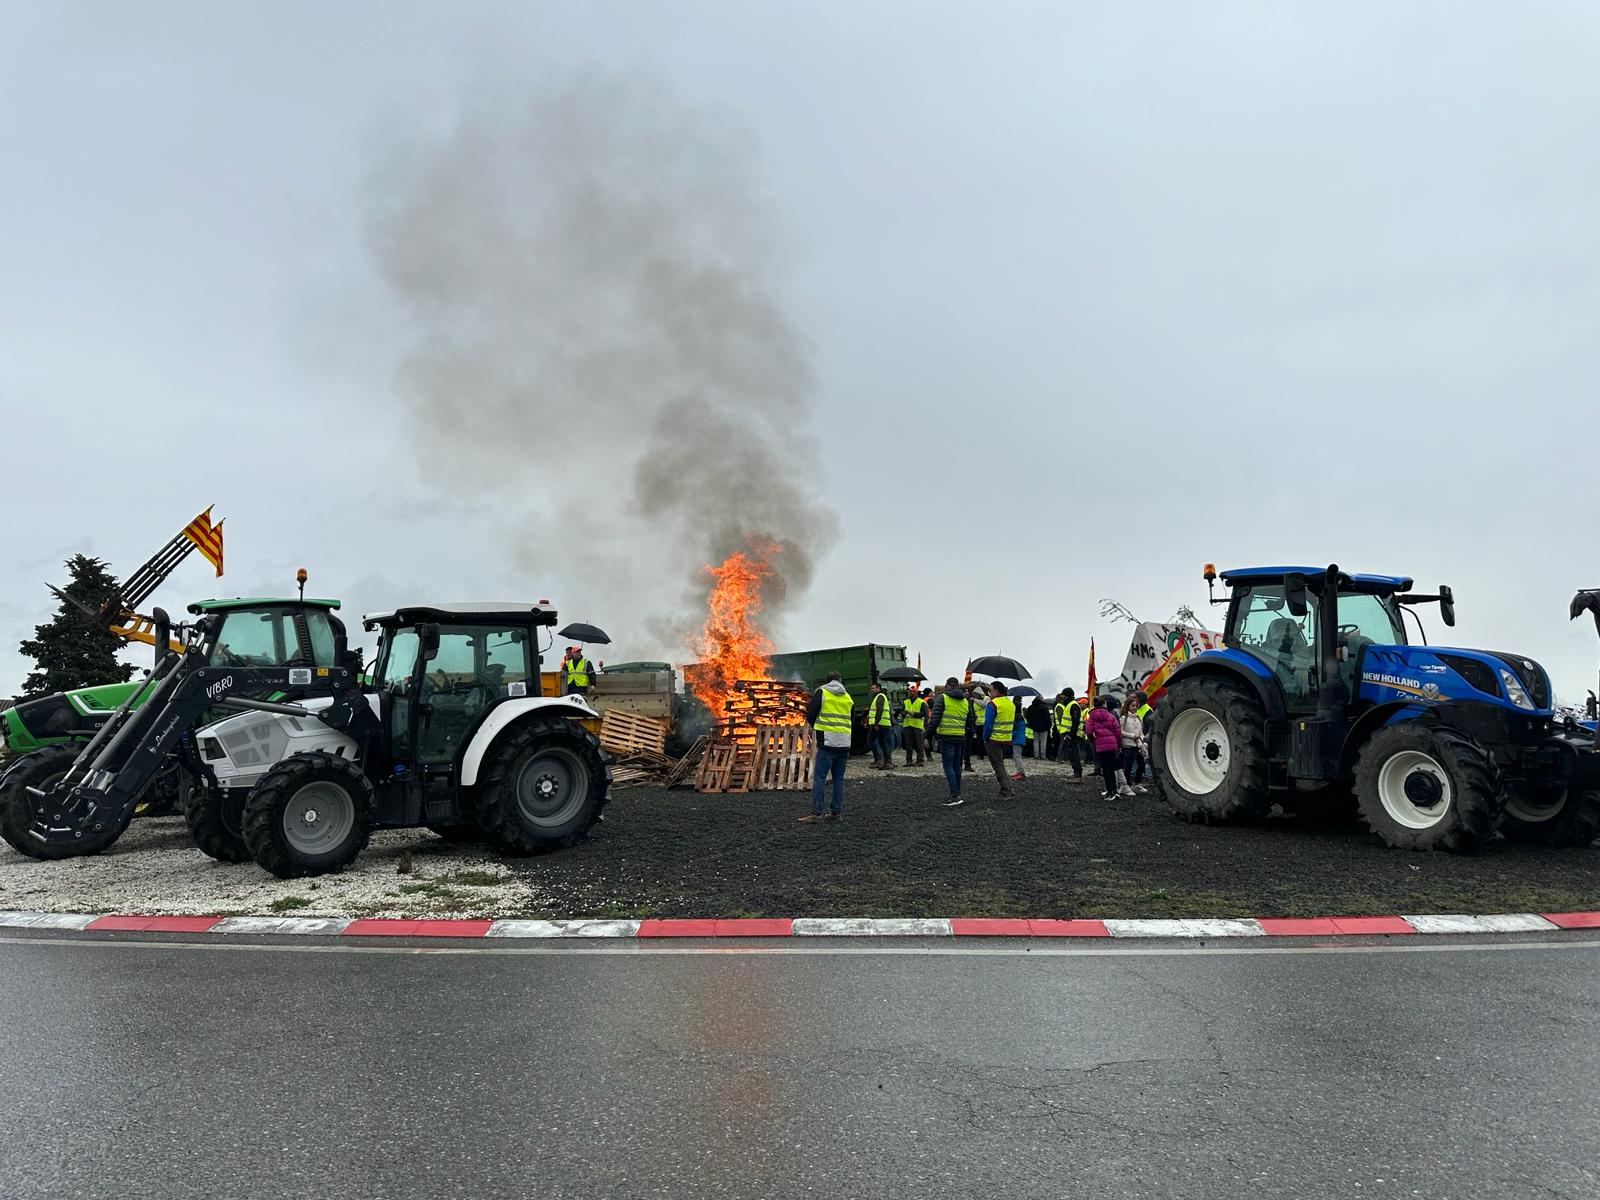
x=1514 y=689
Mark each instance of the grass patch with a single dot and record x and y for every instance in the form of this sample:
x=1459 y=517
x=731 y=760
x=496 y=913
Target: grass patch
x=285 y=904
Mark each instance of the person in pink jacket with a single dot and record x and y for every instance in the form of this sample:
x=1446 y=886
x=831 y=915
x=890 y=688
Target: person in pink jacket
x=1105 y=735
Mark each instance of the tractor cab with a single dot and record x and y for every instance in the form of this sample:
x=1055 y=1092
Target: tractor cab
x=441 y=668
x=1287 y=617
x=267 y=632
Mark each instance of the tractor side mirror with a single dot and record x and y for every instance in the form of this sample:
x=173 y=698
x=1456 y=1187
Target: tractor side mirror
x=1447 y=605
x=1294 y=594
x=427 y=642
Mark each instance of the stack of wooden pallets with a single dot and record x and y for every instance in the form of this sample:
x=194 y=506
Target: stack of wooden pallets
x=777 y=758
x=628 y=733
x=757 y=702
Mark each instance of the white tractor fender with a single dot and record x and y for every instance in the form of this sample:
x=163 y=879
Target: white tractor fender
x=573 y=707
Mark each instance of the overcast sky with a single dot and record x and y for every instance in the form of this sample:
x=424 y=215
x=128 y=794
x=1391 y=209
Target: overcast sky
x=1090 y=295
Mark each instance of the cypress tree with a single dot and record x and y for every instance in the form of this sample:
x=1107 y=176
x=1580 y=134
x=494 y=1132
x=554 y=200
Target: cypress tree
x=74 y=649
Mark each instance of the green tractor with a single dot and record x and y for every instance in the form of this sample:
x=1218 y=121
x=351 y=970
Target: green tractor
x=46 y=735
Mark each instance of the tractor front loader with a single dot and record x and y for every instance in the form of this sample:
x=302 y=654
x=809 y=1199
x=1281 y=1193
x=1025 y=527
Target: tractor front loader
x=75 y=799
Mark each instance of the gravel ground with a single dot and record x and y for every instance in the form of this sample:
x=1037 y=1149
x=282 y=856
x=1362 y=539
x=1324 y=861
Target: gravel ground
x=1057 y=850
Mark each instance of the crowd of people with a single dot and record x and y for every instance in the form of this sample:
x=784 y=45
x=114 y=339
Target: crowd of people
x=1001 y=725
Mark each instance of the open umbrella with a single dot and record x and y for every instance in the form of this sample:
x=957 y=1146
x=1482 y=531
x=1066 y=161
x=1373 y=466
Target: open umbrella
x=1000 y=667
x=902 y=675
x=579 y=632
x=1023 y=690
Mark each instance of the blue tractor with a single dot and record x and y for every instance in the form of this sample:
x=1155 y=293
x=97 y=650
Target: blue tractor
x=1318 y=702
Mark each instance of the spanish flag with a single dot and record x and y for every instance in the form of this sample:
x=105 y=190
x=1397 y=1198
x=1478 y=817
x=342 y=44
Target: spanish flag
x=207 y=538
x=1088 y=692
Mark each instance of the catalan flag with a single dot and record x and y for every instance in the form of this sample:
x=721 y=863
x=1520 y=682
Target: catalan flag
x=1088 y=691
x=207 y=538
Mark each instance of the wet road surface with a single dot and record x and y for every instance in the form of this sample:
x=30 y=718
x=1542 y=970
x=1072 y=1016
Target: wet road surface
x=149 y=1068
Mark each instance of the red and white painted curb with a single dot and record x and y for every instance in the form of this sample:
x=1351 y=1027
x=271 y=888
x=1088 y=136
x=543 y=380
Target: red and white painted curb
x=811 y=926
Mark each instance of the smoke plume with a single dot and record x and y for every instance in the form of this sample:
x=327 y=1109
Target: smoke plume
x=591 y=276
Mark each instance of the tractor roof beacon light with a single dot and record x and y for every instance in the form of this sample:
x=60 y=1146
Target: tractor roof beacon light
x=1211 y=584
x=300 y=578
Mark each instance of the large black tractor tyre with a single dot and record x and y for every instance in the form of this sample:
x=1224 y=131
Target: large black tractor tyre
x=1208 y=752
x=543 y=785
x=1551 y=815
x=41 y=769
x=215 y=817
x=309 y=815
x=1421 y=786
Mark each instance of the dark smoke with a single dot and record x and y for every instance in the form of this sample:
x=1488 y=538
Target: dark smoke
x=592 y=277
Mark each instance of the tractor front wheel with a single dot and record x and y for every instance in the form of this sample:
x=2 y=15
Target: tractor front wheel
x=1423 y=787
x=1208 y=752
x=1551 y=815
x=309 y=815
x=544 y=783
x=215 y=817
x=43 y=769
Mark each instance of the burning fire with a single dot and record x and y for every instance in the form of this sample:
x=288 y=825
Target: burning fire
x=732 y=646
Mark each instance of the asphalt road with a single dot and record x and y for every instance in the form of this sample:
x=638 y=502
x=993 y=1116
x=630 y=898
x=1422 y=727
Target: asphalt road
x=164 y=1070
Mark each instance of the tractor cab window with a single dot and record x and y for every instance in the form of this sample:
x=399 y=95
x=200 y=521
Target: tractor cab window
x=257 y=639
x=460 y=682
x=320 y=626
x=399 y=662
x=1365 y=619
x=507 y=663
x=1267 y=629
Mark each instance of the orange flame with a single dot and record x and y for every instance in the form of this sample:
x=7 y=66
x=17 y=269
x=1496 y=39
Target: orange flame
x=733 y=646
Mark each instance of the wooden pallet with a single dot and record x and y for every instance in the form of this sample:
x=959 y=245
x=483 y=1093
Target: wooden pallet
x=626 y=732
x=785 y=757
x=642 y=768
x=716 y=767
x=688 y=766
x=727 y=767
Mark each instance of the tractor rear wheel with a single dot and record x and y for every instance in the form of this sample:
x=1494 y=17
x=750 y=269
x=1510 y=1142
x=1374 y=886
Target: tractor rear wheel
x=215 y=817
x=1208 y=752
x=309 y=815
x=43 y=769
x=1424 y=787
x=1551 y=815
x=544 y=783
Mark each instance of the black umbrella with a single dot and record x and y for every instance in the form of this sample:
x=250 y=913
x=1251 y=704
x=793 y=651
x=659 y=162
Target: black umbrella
x=902 y=675
x=1000 y=667
x=1023 y=690
x=579 y=632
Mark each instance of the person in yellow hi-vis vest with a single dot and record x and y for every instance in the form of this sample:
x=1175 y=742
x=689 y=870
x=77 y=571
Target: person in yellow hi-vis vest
x=880 y=726
x=911 y=725
x=1073 y=743
x=950 y=718
x=828 y=712
x=999 y=724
